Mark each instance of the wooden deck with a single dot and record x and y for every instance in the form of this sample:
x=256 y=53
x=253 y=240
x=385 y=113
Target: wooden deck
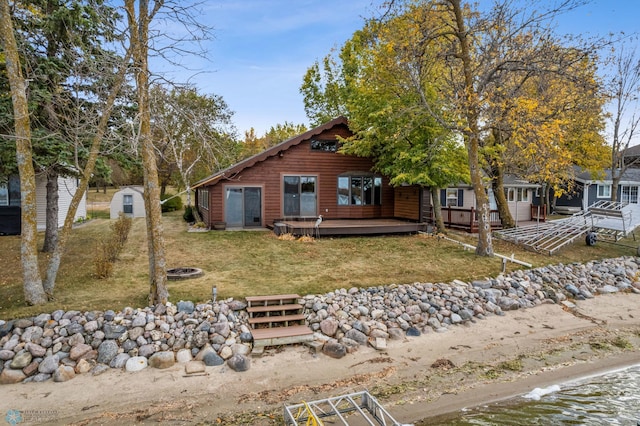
x=337 y=227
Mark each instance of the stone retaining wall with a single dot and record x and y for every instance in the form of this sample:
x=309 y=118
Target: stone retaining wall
x=62 y=344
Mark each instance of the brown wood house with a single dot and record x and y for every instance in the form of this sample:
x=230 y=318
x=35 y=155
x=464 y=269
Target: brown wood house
x=288 y=186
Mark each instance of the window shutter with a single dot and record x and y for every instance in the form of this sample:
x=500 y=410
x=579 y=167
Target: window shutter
x=460 y=197
x=443 y=197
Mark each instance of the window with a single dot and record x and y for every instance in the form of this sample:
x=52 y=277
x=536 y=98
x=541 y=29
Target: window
x=323 y=145
x=604 y=191
x=629 y=194
x=523 y=194
x=4 y=194
x=203 y=198
x=299 y=197
x=359 y=190
x=452 y=198
x=127 y=204
x=517 y=194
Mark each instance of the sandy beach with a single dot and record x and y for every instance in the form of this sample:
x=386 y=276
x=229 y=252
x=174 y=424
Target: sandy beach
x=416 y=378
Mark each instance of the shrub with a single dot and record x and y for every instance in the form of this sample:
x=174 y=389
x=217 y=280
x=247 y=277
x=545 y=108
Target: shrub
x=120 y=229
x=109 y=248
x=105 y=257
x=172 y=204
x=188 y=214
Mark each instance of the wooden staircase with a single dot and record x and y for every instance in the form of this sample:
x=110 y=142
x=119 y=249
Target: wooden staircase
x=276 y=320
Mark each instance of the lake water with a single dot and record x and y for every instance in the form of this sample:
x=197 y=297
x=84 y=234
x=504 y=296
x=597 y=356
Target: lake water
x=610 y=399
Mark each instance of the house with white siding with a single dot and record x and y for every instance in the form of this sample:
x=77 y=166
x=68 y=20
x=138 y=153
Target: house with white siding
x=588 y=190
x=67 y=187
x=459 y=203
x=10 y=202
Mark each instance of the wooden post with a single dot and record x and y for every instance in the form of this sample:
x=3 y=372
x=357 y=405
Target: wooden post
x=472 y=220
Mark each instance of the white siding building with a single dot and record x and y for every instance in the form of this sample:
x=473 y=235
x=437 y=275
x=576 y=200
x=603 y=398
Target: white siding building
x=67 y=187
x=128 y=200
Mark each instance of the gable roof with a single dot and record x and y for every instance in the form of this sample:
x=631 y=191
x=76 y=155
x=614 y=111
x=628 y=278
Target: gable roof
x=513 y=181
x=584 y=176
x=632 y=151
x=135 y=188
x=270 y=152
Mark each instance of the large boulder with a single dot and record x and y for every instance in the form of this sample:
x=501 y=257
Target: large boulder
x=334 y=349
x=107 y=351
x=164 y=359
x=239 y=363
x=136 y=363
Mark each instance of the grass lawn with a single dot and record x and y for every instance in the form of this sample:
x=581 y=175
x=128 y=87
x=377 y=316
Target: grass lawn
x=243 y=263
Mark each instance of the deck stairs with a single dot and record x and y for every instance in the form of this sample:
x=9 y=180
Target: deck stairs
x=276 y=320
x=609 y=220
x=361 y=409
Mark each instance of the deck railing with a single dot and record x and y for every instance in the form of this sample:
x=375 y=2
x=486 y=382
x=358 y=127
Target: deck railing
x=467 y=219
x=539 y=212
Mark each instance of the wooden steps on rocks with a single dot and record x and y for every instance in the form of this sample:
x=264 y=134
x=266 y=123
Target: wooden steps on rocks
x=277 y=320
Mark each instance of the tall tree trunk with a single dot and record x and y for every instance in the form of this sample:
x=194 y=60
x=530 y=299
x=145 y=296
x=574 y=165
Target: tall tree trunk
x=497 y=184
x=51 y=231
x=546 y=193
x=33 y=290
x=472 y=136
x=138 y=28
x=615 y=183
x=188 y=195
x=437 y=209
x=497 y=181
x=94 y=150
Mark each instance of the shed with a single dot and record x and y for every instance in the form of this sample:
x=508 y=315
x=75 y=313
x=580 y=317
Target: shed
x=128 y=200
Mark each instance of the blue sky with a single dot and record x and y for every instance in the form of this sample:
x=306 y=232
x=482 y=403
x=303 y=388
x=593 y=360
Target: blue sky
x=263 y=48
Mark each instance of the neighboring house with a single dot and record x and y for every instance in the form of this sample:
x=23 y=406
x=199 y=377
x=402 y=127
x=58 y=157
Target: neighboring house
x=10 y=203
x=128 y=200
x=302 y=178
x=459 y=202
x=632 y=156
x=589 y=190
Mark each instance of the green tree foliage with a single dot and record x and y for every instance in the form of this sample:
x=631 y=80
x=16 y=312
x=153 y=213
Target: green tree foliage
x=21 y=70
x=60 y=41
x=385 y=82
x=381 y=79
x=33 y=288
x=253 y=144
x=445 y=71
x=323 y=92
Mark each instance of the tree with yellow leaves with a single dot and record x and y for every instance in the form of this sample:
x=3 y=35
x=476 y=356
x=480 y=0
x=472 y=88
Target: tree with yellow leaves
x=489 y=57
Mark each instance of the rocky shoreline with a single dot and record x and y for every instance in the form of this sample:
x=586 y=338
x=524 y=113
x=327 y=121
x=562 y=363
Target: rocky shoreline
x=61 y=345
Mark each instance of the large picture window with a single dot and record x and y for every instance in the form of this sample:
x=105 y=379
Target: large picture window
x=359 y=190
x=300 y=196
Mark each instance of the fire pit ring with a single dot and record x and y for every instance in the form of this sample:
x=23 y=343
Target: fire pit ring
x=183 y=273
